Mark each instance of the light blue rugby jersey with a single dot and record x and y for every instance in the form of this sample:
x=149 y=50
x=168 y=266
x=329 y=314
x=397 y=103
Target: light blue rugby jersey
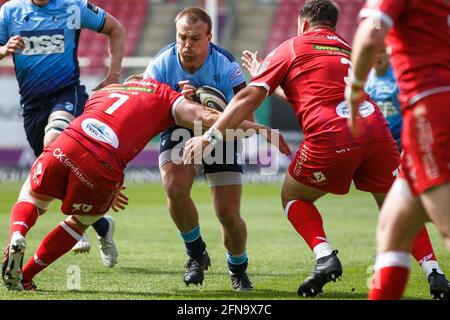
x=51 y=33
x=220 y=70
x=384 y=91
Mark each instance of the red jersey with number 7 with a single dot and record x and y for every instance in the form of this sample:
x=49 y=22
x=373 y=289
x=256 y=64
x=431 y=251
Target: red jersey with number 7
x=420 y=41
x=120 y=119
x=313 y=69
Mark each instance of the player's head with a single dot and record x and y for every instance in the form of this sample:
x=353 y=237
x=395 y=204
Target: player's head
x=135 y=77
x=382 y=62
x=40 y=3
x=193 y=36
x=318 y=13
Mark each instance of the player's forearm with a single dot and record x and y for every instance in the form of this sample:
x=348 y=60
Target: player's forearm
x=3 y=51
x=116 y=50
x=240 y=107
x=280 y=94
x=117 y=35
x=367 y=42
x=248 y=129
x=188 y=114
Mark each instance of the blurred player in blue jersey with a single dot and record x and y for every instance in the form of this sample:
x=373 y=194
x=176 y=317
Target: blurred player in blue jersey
x=382 y=88
x=42 y=36
x=191 y=62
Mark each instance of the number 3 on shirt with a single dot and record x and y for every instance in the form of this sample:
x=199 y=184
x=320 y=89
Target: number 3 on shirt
x=346 y=61
x=116 y=105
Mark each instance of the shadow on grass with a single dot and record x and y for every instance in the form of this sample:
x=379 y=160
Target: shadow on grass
x=176 y=294
x=150 y=271
x=200 y=294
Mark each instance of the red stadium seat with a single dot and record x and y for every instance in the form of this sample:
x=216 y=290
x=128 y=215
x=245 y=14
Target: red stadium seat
x=284 y=24
x=132 y=14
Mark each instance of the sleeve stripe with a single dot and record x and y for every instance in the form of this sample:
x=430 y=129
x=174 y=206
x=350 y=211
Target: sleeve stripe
x=175 y=105
x=377 y=14
x=103 y=23
x=260 y=84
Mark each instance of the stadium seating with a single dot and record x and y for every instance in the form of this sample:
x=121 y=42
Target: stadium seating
x=94 y=46
x=284 y=24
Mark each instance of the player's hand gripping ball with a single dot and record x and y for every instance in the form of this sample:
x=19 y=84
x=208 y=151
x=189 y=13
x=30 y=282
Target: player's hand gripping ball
x=211 y=98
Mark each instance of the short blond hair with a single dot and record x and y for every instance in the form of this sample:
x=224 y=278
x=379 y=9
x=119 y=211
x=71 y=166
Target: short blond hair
x=195 y=14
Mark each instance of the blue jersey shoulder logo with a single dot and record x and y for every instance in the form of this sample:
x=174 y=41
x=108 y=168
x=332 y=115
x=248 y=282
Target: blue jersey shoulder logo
x=92 y=7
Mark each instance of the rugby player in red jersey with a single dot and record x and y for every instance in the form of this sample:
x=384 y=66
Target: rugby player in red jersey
x=84 y=167
x=312 y=70
x=418 y=33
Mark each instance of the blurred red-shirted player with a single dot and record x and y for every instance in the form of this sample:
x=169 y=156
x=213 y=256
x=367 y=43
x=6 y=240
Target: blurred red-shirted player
x=418 y=31
x=84 y=167
x=312 y=69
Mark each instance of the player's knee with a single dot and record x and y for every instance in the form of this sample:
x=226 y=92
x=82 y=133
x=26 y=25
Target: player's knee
x=285 y=199
x=177 y=190
x=445 y=233
x=26 y=195
x=447 y=243
x=229 y=217
x=83 y=221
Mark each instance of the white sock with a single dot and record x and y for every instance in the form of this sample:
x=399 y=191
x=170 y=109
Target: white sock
x=392 y=259
x=428 y=266
x=322 y=250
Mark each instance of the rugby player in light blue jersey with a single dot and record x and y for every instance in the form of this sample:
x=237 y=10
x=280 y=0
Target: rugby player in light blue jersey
x=191 y=62
x=42 y=37
x=382 y=88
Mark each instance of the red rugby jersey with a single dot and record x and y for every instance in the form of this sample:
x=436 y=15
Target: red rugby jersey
x=313 y=70
x=420 y=42
x=120 y=119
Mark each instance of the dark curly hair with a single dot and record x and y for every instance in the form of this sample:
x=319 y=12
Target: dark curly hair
x=325 y=12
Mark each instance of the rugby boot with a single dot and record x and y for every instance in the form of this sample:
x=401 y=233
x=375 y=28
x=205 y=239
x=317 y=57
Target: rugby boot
x=195 y=268
x=27 y=286
x=439 y=286
x=82 y=246
x=241 y=282
x=108 y=248
x=327 y=269
x=12 y=262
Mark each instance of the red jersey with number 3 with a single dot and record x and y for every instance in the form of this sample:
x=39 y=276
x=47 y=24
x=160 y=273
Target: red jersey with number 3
x=420 y=42
x=120 y=119
x=312 y=69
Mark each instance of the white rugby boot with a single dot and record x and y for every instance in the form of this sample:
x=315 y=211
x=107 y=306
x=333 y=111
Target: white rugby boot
x=12 y=262
x=108 y=249
x=82 y=246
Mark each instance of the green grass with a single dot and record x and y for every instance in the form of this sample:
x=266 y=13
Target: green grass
x=152 y=254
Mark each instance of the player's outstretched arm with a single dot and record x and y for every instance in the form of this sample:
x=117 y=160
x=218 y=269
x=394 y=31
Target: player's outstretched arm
x=251 y=61
x=14 y=43
x=117 y=35
x=188 y=113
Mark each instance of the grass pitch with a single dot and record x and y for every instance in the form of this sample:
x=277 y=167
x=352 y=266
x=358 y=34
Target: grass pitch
x=152 y=255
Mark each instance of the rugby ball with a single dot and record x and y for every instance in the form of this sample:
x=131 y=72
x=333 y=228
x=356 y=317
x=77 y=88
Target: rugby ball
x=211 y=97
